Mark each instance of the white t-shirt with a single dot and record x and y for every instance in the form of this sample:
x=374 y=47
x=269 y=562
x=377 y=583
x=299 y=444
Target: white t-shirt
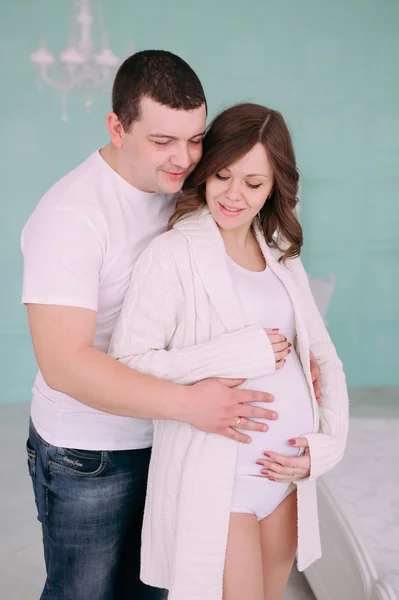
x=80 y=246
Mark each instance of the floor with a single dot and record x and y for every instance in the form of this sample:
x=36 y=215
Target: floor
x=21 y=562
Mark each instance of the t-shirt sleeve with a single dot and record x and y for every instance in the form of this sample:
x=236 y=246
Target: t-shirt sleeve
x=63 y=254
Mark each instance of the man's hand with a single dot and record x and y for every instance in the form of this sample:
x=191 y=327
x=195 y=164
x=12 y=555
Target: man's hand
x=315 y=373
x=215 y=407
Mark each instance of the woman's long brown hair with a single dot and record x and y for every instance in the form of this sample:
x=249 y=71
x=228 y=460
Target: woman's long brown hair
x=232 y=134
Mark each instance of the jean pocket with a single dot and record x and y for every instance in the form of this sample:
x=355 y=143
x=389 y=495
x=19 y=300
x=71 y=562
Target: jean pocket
x=31 y=455
x=80 y=463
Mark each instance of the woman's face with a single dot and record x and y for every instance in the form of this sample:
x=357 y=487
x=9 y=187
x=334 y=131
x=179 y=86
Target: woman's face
x=237 y=193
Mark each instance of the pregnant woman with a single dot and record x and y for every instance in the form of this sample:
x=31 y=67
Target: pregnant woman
x=224 y=520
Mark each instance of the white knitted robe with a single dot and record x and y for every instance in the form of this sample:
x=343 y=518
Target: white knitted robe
x=182 y=321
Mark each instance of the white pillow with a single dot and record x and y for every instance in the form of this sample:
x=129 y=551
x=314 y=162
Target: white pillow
x=322 y=290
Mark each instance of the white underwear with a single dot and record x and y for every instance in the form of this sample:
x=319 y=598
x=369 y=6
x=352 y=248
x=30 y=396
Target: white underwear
x=258 y=496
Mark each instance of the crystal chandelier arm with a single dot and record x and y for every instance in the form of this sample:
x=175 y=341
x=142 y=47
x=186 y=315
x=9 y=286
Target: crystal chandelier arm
x=63 y=86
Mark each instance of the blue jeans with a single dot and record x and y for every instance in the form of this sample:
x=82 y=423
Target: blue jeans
x=90 y=505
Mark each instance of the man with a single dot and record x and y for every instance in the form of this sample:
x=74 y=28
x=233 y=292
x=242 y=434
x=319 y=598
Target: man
x=90 y=436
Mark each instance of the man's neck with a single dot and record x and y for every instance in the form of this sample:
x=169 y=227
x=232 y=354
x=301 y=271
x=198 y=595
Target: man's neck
x=113 y=159
x=109 y=155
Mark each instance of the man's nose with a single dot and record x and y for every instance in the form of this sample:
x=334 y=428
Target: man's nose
x=182 y=157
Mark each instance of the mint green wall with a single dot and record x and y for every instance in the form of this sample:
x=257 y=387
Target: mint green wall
x=330 y=66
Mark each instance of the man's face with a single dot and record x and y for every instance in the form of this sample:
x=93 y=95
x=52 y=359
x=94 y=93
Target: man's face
x=163 y=147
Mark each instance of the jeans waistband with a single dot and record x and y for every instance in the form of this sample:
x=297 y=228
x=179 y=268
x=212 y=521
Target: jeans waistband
x=36 y=434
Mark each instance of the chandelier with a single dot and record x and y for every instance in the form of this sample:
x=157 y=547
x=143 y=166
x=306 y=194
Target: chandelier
x=82 y=66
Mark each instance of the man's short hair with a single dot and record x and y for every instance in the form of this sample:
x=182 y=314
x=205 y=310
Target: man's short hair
x=159 y=75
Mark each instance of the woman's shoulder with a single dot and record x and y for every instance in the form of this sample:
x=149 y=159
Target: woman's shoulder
x=177 y=239
x=172 y=241
x=278 y=249
x=167 y=254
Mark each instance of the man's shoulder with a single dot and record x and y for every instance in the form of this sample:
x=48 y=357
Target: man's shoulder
x=80 y=183
x=62 y=211
x=74 y=197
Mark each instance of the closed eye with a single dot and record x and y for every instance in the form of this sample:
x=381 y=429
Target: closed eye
x=254 y=186
x=220 y=177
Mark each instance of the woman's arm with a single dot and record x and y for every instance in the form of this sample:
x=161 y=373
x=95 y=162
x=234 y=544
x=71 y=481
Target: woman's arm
x=326 y=447
x=153 y=307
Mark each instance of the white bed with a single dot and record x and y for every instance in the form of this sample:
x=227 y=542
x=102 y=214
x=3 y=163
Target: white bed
x=359 y=514
x=359 y=500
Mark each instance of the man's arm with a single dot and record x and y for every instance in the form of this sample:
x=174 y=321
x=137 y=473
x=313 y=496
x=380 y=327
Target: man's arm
x=64 y=251
x=63 y=337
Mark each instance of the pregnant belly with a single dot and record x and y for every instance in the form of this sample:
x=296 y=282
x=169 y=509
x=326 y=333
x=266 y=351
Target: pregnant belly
x=292 y=402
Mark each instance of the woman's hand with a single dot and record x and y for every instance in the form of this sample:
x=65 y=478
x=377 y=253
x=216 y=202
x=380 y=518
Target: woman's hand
x=287 y=468
x=281 y=346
